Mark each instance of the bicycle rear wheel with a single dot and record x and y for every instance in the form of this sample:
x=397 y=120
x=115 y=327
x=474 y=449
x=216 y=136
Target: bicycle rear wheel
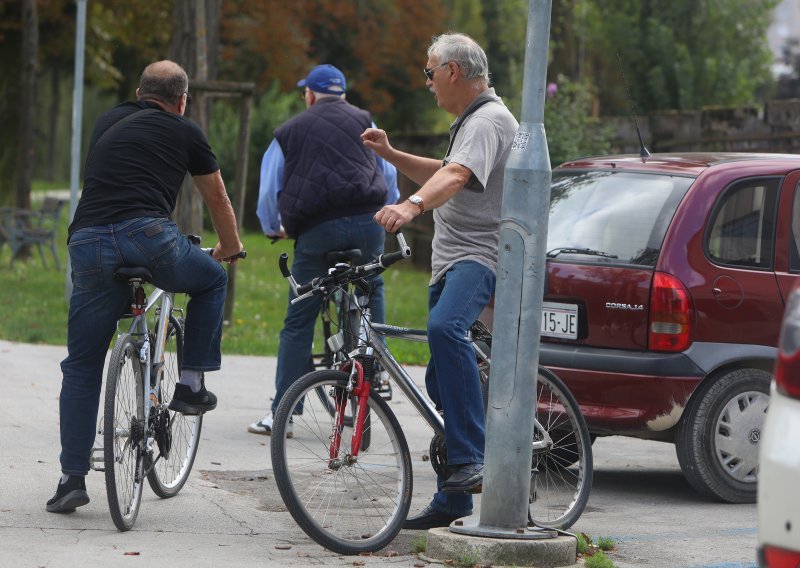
x=176 y=435
x=348 y=506
x=562 y=456
x=124 y=433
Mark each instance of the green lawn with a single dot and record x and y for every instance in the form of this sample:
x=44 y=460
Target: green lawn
x=34 y=307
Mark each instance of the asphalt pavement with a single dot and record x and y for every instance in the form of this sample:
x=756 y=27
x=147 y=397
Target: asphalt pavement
x=230 y=512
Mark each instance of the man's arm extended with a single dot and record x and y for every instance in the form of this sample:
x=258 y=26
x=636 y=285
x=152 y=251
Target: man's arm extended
x=212 y=190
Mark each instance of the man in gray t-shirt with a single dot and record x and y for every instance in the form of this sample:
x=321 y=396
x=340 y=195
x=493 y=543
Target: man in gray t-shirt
x=465 y=193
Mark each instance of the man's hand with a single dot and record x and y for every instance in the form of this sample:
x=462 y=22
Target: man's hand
x=394 y=217
x=227 y=254
x=378 y=141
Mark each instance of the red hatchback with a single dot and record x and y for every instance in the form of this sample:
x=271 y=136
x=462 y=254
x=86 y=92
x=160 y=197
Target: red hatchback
x=666 y=283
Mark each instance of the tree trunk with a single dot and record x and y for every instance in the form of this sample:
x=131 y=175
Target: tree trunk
x=195 y=24
x=55 y=87
x=27 y=105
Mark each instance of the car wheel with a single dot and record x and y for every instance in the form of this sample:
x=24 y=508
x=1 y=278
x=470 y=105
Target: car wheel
x=717 y=439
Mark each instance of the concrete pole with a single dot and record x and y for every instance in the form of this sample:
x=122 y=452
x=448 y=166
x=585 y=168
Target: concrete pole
x=518 y=304
x=77 y=123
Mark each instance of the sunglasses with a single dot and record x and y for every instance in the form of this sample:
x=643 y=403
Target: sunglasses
x=429 y=71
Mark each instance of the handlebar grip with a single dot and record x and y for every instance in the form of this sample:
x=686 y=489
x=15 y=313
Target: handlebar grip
x=386 y=260
x=306 y=288
x=283 y=263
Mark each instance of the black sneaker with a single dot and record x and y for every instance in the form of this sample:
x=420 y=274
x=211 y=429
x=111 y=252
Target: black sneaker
x=187 y=402
x=69 y=495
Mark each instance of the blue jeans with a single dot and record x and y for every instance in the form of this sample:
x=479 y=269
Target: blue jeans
x=452 y=378
x=297 y=335
x=98 y=301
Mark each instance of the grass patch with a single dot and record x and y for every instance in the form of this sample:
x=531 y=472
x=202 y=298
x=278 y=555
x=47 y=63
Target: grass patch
x=34 y=306
x=599 y=560
x=419 y=544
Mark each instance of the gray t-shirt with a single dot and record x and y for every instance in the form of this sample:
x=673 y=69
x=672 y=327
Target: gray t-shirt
x=467 y=226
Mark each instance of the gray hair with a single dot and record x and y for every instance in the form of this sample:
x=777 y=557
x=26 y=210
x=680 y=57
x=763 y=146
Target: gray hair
x=461 y=49
x=163 y=80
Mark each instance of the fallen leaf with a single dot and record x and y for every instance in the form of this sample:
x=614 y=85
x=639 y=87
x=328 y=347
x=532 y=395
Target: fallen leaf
x=130 y=553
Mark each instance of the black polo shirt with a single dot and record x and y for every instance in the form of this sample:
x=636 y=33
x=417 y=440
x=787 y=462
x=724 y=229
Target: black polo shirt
x=138 y=168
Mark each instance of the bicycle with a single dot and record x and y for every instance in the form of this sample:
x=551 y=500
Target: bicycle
x=141 y=437
x=352 y=499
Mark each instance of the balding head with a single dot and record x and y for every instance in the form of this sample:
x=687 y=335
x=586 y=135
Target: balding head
x=163 y=81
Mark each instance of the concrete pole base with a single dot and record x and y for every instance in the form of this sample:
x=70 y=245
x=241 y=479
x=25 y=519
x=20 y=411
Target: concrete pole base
x=463 y=549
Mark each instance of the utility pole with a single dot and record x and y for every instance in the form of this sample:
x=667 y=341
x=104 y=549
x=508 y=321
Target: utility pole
x=518 y=306
x=77 y=121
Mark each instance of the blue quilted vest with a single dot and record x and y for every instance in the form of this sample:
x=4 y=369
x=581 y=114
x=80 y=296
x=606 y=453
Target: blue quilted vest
x=328 y=172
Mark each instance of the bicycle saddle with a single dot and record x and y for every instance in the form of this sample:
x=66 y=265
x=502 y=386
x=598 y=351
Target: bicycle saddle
x=126 y=273
x=333 y=257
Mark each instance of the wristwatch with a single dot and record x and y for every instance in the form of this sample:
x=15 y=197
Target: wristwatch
x=417 y=200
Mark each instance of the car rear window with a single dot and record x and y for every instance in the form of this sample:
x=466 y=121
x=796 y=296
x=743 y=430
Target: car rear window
x=611 y=216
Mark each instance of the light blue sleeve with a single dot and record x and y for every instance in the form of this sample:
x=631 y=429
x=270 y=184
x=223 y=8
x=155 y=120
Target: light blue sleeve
x=269 y=189
x=390 y=175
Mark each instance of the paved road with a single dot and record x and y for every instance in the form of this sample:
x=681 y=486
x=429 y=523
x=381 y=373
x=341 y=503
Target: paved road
x=230 y=513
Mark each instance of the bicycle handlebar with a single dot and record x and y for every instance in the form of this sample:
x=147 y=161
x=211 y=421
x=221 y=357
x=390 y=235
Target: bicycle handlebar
x=337 y=277
x=195 y=240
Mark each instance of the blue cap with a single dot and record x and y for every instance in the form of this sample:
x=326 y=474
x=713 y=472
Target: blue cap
x=325 y=79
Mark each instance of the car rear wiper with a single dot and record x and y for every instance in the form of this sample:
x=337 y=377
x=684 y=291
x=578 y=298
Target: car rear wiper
x=590 y=252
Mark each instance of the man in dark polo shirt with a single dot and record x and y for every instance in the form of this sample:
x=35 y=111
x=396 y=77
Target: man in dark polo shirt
x=139 y=154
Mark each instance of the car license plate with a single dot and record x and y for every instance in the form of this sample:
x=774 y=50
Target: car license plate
x=559 y=320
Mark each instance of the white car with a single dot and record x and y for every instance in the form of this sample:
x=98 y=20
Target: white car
x=779 y=459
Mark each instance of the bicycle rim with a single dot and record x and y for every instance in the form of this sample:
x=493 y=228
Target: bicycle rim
x=351 y=508
x=123 y=433
x=177 y=445
x=564 y=467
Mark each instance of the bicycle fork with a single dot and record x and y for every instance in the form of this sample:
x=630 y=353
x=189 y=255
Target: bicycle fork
x=361 y=389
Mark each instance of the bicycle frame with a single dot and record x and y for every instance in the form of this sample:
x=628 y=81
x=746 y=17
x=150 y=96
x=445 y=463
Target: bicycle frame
x=151 y=358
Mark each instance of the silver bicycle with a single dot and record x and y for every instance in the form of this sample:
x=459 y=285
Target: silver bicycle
x=143 y=439
x=349 y=485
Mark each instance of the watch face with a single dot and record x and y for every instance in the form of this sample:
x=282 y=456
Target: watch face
x=415 y=199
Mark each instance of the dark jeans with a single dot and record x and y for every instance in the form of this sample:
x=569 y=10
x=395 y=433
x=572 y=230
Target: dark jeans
x=98 y=301
x=297 y=335
x=452 y=378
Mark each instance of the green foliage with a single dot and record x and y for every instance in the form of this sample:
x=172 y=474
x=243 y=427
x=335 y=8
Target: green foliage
x=571 y=133
x=676 y=55
x=584 y=543
x=419 y=544
x=599 y=560
x=605 y=543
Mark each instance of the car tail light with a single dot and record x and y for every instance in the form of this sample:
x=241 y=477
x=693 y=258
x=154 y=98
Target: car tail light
x=670 y=314
x=787 y=368
x=774 y=557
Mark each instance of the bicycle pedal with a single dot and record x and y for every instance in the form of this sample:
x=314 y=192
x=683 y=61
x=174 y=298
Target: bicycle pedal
x=97 y=462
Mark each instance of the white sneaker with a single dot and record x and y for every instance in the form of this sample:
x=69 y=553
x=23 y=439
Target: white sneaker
x=264 y=427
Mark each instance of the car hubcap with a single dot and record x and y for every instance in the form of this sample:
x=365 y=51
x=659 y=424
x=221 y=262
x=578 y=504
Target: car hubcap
x=737 y=435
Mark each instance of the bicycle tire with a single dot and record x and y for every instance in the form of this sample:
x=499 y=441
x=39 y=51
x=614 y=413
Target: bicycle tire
x=564 y=468
x=123 y=433
x=351 y=508
x=174 y=461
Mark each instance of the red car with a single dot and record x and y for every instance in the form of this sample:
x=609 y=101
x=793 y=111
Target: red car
x=666 y=282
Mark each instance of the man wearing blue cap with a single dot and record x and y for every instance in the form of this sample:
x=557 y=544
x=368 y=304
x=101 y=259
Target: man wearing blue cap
x=321 y=187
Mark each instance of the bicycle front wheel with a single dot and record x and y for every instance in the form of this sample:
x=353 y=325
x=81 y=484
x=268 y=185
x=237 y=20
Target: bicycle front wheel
x=562 y=455
x=348 y=504
x=176 y=435
x=124 y=433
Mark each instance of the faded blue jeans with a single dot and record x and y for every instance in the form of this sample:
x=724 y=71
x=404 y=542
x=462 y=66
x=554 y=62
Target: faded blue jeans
x=452 y=378
x=98 y=301
x=297 y=335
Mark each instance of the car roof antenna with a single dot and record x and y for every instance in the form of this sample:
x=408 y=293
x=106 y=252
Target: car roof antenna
x=643 y=151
